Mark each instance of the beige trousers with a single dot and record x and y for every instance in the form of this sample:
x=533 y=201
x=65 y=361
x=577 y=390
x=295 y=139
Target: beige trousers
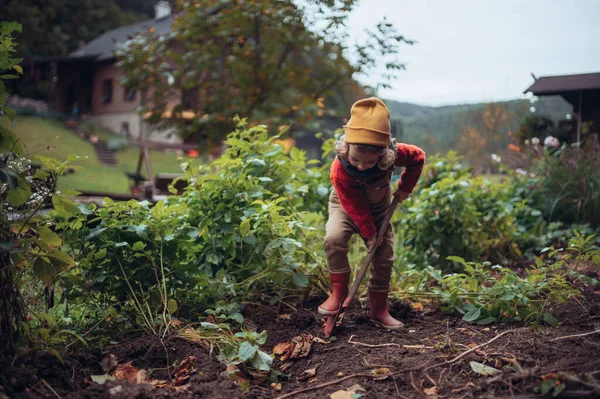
x=340 y=228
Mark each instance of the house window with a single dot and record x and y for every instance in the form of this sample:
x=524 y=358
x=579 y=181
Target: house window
x=107 y=91
x=129 y=94
x=189 y=99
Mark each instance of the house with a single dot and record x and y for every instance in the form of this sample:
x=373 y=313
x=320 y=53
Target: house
x=88 y=79
x=582 y=91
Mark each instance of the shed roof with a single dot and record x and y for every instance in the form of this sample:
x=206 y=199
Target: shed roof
x=549 y=85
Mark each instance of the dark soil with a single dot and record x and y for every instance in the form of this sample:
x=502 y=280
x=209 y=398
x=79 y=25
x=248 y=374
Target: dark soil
x=527 y=355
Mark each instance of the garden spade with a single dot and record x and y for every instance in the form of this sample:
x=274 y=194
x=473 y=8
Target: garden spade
x=332 y=320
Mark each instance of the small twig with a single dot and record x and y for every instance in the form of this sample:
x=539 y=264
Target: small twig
x=88 y=331
x=50 y=388
x=397 y=389
x=288 y=305
x=329 y=383
x=412 y=382
x=430 y=379
x=388 y=344
x=440 y=377
x=576 y=335
x=469 y=351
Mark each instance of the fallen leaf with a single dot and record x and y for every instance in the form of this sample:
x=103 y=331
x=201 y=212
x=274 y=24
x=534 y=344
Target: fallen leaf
x=141 y=377
x=176 y=322
x=417 y=306
x=482 y=369
x=433 y=391
x=281 y=348
x=298 y=348
x=350 y=393
x=234 y=373
x=356 y=388
x=180 y=388
x=312 y=380
x=285 y=366
x=306 y=374
x=101 y=379
x=159 y=383
x=125 y=372
x=320 y=341
x=257 y=375
x=285 y=316
x=472 y=345
x=109 y=363
x=184 y=370
x=380 y=370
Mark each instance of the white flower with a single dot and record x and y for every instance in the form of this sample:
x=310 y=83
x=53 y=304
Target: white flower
x=526 y=141
x=496 y=158
x=521 y=172
x=551 y=142
x=535 y=141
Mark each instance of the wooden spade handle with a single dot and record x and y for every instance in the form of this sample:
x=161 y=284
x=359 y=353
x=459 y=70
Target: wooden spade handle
x=363 y=268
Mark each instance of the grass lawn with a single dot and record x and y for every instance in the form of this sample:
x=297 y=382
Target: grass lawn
x=50 y=138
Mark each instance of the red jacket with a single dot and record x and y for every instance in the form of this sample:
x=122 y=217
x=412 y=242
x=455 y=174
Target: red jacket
x=352 y=194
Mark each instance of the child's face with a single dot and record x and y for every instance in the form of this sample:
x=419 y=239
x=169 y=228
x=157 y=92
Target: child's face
x=362 y=160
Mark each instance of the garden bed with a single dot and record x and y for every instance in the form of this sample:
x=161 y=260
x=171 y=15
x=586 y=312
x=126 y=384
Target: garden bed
x=426 y=359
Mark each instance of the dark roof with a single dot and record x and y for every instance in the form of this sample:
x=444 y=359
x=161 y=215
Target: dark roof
x=103 y=47
x=549 y=85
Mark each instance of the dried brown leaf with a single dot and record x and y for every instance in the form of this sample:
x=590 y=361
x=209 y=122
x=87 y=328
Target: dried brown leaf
x=306 y=374
x=125 y=372
x=433 y=391
x=285 y=316
x=109 y=363
x=281 y=348
x=285 y=366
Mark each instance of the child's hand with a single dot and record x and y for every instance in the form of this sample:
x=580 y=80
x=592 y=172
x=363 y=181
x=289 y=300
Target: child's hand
x=372 y=243
x=401 y=195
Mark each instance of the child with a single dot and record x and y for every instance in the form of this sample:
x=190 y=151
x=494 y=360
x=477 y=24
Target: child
x=361 y=176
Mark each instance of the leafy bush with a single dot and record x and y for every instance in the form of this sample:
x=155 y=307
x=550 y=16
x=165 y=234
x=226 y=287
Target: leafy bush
x=453 y=213
x=569 y=185
x=237 y=231
x=484 y=293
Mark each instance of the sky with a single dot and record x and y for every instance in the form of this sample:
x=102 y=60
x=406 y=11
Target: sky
x=483 y=50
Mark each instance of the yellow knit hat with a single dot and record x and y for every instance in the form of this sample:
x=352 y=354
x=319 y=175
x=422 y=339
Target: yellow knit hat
x=369 y=123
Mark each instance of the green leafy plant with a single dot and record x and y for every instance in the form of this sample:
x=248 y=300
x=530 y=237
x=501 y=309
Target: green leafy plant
x=569 y=185
x=484 y=293
x=195 y=251
x=240 y=349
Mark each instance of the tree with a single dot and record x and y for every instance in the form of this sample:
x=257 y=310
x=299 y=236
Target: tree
x=485 y=131
x=57 y=27
x=272 y=61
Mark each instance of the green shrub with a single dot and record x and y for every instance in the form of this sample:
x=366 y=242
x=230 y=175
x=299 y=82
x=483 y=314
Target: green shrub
x=453 y=213
x=484 y=293
x=239 y=230
x=569 y=185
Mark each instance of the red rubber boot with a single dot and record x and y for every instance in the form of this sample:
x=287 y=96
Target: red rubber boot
x=339 y=288
x=379 y=312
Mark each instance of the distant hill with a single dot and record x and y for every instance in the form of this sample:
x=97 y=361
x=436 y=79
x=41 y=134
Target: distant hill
x=435 y=129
